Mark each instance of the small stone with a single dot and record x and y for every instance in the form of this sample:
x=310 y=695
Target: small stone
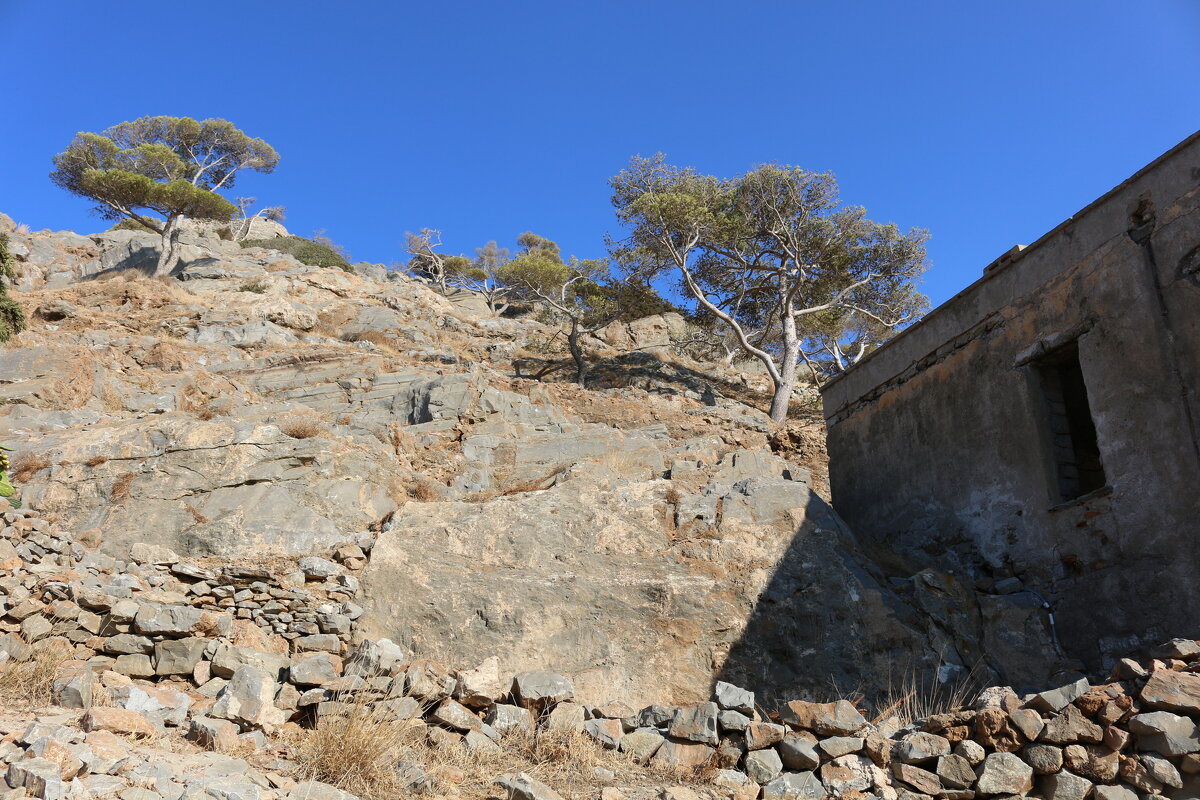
x=135 y=665
x=1115 y=793
x=455 y=715
x=838 y=746
x=523 y=787
x=955 y=772
x=1044 y=758
x=318 y=669
x=117 y=720
x=1060 y=698
x=480 y=687
x=917 y=748
x=1028 y=722
x=829 y=719
x=733 y=698
x=922 y=780
x=607 y=732
x=794 y=786
x=853 y=773
x=538 y=689
x=1161 y=770
x=763 y=734
x=39 y=777
x=1183 y=649
x=143 y=553
x=732 y=721
x=479 y=743
x=1004 y=773
x=178 y=656
x=1095 y=762
x=1065 y=786
x=799 y=753
x=1173 y=691
x=680 y=755
x=73 y=689
x=641 y=744
x=763 y=766
x=1071 y=726
x=696 y=724
x=1165 y=733
x=506 y=718
x=973 y=752
x=215 y=734
x=318 y=569
x=655 y=716
x=565 y=717
x=429 y=681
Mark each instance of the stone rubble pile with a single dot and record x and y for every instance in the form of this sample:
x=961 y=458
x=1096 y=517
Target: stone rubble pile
x=229 y=658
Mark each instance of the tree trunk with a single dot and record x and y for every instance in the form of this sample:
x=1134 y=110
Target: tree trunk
x=581 y=365
x=168 y=255
x=787 y=371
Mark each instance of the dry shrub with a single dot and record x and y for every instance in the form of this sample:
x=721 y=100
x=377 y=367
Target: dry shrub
x=25 y=465
x=381 y=340
x=119 y=492
x=422 y=492
x=356 y=752
x=30 y=683
x=195 y=512
x=672 y=496
x=95 y=461
x=301 y=425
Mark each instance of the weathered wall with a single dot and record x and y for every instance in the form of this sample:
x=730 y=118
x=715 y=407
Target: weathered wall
x=937 y=442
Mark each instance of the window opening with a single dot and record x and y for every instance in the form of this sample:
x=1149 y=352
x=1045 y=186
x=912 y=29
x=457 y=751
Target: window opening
x=1073 y=444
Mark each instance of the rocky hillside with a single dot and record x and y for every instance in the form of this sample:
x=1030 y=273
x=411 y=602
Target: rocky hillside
x=639 y=537
x=160 y=678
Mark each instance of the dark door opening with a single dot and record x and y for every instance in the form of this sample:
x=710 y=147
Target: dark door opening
x=1073 y=445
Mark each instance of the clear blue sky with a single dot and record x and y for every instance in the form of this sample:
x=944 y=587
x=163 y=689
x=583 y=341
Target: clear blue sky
x=986 y=122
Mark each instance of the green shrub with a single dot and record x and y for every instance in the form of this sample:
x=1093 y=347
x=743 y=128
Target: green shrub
x=257 y=287
x=306 y=251
x=12 y=318
x=132 y=225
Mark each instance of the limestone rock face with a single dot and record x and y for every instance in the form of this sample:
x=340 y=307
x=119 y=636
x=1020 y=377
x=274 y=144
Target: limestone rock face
x=645 y=536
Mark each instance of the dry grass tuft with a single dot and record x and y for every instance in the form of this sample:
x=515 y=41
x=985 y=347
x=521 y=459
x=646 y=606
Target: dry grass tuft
x=26 y=465
x=422 y=492
x=119 y=492
x=301 y=425
x=30 y=683
x=95 y=461
x=672 y=496
x=356 y=752
x=909 y=699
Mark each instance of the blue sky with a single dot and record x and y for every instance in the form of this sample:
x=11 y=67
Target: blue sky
x=987 y=123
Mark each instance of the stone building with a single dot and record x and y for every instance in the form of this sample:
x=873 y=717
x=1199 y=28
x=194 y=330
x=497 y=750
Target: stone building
x=1044 y=423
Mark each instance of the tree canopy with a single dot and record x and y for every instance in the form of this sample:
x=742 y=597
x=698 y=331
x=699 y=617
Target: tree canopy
x=773 y=255
x=582 y=294
x=172 y=167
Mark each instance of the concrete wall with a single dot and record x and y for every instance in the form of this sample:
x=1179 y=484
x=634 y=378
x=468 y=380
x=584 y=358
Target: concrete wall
x=938 y=442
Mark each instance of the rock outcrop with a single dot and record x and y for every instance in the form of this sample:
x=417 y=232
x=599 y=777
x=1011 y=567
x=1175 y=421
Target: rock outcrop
x=647 y=534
